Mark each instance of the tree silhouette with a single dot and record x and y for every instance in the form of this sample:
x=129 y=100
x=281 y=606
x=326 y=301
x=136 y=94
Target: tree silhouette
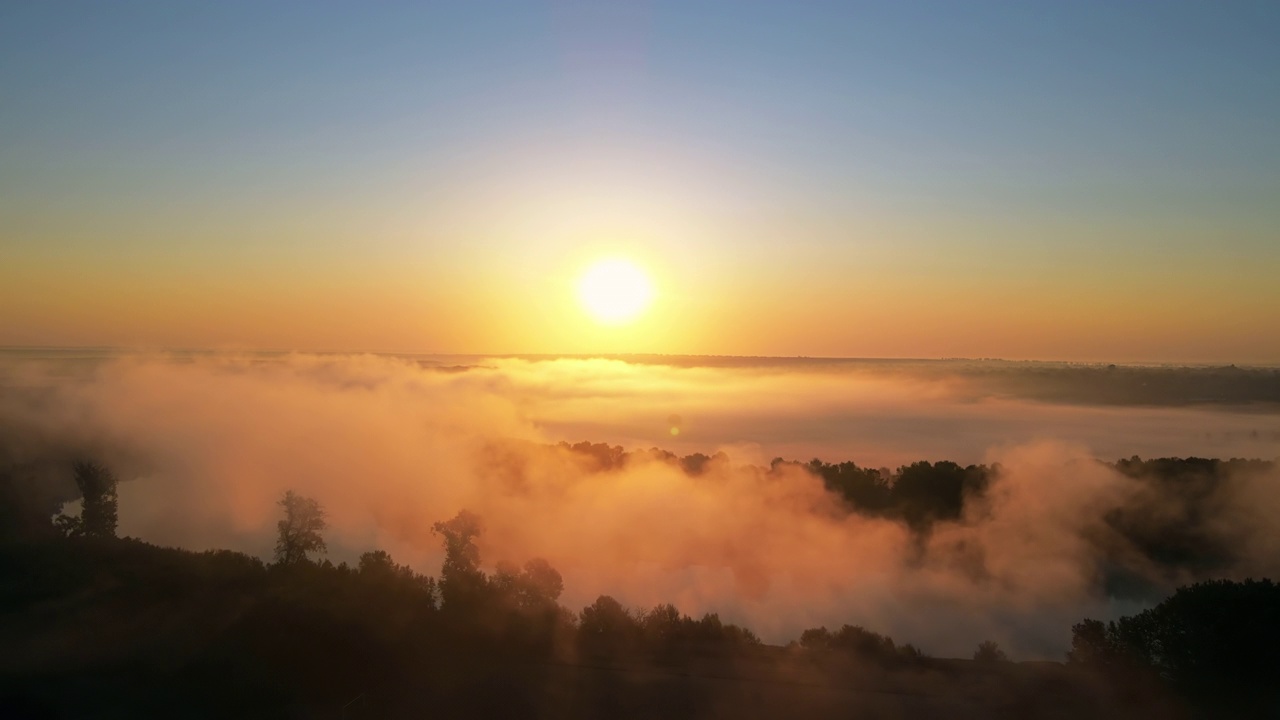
x=98 y=511
x=663 y=625
x=924 y=492
x=1091 y=644
x=818 y=638
x=299 y=531
x=377 y=564
x=540 y=585
x=323 y=630
x=605 y=626
x=989 y=652
x=392 y=587
x=864 y=490
x=1217 y=641
x=855 y=641
x=462 y=584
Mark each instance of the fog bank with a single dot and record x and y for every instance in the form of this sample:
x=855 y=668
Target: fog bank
x=206 y=445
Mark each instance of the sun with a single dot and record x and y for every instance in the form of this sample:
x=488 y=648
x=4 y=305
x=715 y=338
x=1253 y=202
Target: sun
x=615 y=291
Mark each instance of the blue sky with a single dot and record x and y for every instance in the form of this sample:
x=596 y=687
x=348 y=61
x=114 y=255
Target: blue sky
x=792 y=140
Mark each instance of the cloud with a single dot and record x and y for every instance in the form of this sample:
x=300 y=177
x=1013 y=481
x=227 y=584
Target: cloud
x=207 y=445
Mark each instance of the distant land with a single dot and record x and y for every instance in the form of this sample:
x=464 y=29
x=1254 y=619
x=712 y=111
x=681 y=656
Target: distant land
x=1249 y=387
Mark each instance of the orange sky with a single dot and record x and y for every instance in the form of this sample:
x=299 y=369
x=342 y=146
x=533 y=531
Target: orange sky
x=377 y=183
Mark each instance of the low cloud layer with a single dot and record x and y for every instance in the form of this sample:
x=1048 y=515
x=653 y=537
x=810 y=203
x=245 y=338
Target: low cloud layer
x=206 y=446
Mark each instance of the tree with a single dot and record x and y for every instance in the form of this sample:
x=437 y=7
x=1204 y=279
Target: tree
x=818 y=638
x=99 y=509
x=662 y=625
x=605 y=626
x=924 y=492
x=989 y=652
x=910 y=652
x=1218 y=642
x=863 y=489
x=377 y=570
x=299 y=531
x=378 y=564
x=539 y=585
x=1091 y=644
x=857 y=642
x=462 y=584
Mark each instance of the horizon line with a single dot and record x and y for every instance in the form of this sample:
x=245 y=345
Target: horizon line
x=136 y=349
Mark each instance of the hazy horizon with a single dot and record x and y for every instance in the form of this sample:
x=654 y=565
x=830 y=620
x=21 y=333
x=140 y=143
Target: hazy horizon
x=641 y=357
x=958 y=322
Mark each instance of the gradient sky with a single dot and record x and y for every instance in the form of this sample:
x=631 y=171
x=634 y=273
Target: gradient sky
x=1073 y=180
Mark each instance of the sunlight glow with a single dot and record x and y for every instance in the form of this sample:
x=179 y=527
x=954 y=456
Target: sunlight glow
x=615 y=291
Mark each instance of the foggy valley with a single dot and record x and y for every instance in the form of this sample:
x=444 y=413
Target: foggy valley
x=635 y=359
x=708 y=500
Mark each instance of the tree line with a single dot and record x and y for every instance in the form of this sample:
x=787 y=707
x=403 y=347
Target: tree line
x=1215 y=643
x=1174 y=522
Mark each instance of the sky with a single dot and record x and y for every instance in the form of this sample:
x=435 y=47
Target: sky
x=1074 y=180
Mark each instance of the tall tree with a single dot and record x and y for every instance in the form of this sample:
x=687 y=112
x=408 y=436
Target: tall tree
x=100 y=503
x=1216 y=641
x=299 y=531
x=462 y=584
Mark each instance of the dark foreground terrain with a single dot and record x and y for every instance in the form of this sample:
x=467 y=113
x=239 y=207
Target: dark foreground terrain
x=96 y=626
x=120 y=629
